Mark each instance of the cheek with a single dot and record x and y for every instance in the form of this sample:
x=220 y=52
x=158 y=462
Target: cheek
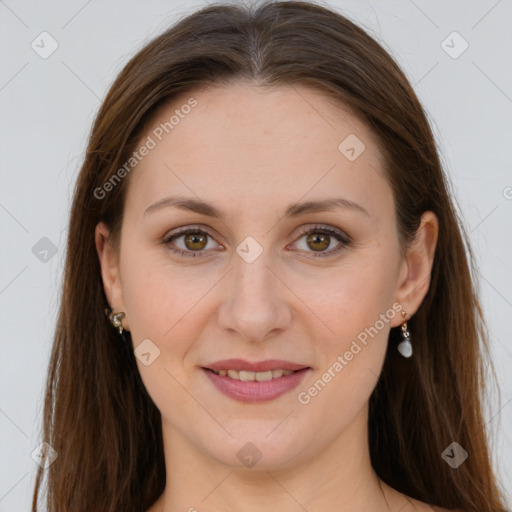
x=349 y=365
x=162 y=305
x=163 y=301
x=349 y=299
x=147 y=291
x=356 y=306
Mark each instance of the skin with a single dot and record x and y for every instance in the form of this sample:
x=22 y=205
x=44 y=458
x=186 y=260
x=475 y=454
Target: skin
x=253 y=152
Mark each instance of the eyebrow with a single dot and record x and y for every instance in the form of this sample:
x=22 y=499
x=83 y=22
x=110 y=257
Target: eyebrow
x=293 y=210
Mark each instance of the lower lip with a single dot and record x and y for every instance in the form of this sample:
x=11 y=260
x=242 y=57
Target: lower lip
x=254 y=391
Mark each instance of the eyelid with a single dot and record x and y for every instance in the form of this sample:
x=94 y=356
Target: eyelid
x=184 y=230
x=329 y=230
x=343 y=239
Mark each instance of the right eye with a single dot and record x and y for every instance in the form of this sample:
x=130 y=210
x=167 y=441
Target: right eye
x=193 y=242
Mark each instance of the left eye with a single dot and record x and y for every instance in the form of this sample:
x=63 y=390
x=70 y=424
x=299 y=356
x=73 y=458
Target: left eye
x=320 y=238
x=316 y=241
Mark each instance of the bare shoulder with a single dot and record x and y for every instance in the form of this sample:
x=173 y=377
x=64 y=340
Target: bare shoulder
x=420 y=506
x=403 y=503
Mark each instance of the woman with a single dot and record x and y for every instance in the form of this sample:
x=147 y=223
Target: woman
x=268 y=303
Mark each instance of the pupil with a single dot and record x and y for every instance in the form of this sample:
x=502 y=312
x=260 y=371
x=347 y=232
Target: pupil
x=319 y=239
x=195 y=239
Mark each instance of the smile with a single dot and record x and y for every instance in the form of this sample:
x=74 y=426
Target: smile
x=255 y=382
x=250 y=376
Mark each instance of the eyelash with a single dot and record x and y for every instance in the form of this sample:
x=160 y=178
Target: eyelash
x=325 y=230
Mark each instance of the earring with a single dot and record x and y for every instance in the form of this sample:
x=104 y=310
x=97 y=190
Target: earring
x=115 y=319
x=405 y=347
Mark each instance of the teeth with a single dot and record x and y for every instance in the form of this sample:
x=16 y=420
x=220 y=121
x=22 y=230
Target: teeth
x=245 y=376
x=279 y=373
x=252 y=376
x=261 y=376
x=233 y=374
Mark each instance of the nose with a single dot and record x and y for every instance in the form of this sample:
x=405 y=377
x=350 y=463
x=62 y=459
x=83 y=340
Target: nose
x=255 y=307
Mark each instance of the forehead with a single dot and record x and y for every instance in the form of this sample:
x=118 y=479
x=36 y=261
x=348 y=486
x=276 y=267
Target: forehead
x=257 y=144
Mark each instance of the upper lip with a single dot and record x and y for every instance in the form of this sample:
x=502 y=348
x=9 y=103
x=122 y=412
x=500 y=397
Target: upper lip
x=258 y=366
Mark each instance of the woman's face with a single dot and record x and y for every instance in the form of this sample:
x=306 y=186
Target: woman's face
x=294 y=265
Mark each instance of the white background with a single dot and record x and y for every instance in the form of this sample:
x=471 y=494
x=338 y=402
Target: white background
x=46 y=109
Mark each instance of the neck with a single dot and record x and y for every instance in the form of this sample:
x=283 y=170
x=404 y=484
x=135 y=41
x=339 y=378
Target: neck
x=340 y=479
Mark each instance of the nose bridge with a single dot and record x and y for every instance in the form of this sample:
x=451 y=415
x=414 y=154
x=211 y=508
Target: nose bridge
x=251 y=276
x=252 y=280
x=254 y=305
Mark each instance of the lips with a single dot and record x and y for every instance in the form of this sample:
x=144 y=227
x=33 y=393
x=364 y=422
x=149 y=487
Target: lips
x=260 y=366
x=255 y=382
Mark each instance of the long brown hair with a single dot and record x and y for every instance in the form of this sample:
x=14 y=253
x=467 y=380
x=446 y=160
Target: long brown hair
x=97 y=413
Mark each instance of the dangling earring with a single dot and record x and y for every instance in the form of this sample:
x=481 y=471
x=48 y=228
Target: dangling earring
x=115 y=319
x=405 y=347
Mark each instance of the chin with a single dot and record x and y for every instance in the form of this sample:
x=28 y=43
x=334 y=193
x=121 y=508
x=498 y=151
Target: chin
x=255 y=449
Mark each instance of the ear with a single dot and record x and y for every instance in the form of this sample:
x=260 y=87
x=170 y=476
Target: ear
x=415 y=269
x=109 y=263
